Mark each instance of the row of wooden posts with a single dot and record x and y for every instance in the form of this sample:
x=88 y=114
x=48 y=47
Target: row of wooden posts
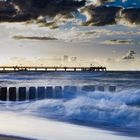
x=49 y=92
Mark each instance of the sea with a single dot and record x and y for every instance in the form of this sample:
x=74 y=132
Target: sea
x=86 y=115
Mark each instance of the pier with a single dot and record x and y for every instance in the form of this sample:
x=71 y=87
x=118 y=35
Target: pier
x=49 y=68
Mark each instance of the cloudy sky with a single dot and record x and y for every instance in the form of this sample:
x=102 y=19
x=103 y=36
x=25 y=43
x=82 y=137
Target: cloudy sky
x=89 y=34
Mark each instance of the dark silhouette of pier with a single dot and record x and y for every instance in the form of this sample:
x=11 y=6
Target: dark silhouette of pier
x=49 y=68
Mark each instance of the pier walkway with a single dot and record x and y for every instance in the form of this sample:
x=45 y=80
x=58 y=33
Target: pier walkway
x=49 y=68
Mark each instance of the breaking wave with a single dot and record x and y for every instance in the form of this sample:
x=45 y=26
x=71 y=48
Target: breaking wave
x=94 y=109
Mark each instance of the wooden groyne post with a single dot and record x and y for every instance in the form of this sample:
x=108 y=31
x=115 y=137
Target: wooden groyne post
x=49 y=92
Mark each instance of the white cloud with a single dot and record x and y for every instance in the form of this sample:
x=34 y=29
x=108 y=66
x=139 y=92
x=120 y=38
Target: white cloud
x=129 y=55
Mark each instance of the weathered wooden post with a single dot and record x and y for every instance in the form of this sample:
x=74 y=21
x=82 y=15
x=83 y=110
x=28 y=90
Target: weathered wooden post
x=22 y=94
x=112 y=88
x=3 y=93
x=49 y=92
x=32 y=93
x=58 y=92
x=88 y=88
x=41 y=93
x=70 y=91
x=12 y=94
x=101 y=88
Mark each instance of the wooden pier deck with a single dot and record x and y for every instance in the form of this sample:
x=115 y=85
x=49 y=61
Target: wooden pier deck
x=49 y=68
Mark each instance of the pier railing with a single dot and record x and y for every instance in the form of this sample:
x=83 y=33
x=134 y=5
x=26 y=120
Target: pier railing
x=50 y=68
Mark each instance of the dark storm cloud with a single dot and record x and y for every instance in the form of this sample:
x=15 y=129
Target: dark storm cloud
x=23 y=10
x=98 y=12
x=101 y=15
x=47 y=6
x=132 y=15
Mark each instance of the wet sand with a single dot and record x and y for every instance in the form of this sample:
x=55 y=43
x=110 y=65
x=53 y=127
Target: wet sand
x=6 y=137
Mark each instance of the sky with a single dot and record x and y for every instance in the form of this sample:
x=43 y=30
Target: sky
x=67 y=42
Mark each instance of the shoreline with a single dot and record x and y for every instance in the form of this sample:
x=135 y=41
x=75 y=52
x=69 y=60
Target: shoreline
x=9 y=137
